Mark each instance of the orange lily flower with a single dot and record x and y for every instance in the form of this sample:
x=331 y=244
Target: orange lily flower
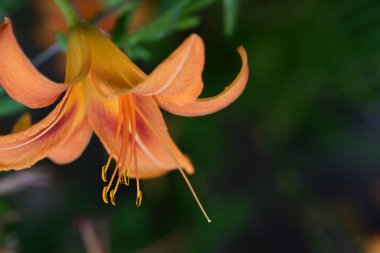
x=106 y=93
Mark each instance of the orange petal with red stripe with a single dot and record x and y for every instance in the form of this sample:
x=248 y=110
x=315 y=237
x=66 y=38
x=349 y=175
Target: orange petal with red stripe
x=23 y=149
x=178 y=79
x=20 y=79
x=152 y=154
x=204 y=106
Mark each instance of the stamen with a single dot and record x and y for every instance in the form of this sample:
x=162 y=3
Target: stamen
x=126 y=177
x=125 y=143
x=128 y=152
x=104 y=173
x=105 y=167
x=104 y=194
x=138 y=198
x=112 y=196
x=122 y=154
x=139 y=192
x=127 y=108
x=112 y=178
x=133 y=149
x=113 y=192
x=175 y=160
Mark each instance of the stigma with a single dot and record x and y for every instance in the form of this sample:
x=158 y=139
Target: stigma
x=126 y=156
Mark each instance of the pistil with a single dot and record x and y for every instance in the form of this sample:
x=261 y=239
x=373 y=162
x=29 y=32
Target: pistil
x=180 y=168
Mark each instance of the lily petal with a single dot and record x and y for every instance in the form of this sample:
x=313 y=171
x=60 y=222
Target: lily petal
x=147 y=167
x=152 y=156
x=77 y=139
x=19 y=78
x=112 y=72
x=178 y=79
x=204 y=106
x=154 y=140
x=78 y=58
x=24 y=83
x=74 y=144
x=23 y=149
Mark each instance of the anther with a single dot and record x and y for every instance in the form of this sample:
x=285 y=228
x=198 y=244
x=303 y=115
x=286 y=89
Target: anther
x=126 y=178
x=104 y=194
x=112 y=195
x=104 y=173
x=138 y=198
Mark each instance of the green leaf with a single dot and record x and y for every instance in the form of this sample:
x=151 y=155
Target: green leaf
x=68 y=12
x=139 y=53
x=160 y=27
x=9 y=6
x=173 y=15
x=61 y=39
x=2 y=91
x=123 y=21
x=187 y=23
x=9 y=107
x=197 y=5
x=110 y=3
x=231 y=8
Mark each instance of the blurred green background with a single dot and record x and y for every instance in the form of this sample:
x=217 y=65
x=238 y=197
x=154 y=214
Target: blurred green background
x=291 y=166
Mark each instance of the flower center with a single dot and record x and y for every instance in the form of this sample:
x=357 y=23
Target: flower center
x=127 y=157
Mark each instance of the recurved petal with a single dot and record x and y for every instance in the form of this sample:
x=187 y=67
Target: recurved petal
x=178 y=79
x=112 y=72
x=19 y=78
x=204 y=106
x=76 y=141
x=23 y=149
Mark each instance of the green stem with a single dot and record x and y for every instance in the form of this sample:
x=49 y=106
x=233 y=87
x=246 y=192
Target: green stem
x=67 y=11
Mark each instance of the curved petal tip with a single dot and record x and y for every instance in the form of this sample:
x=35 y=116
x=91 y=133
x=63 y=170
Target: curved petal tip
x=204 y=106
x=5 y=21
x=20 y=79
x=178 y=79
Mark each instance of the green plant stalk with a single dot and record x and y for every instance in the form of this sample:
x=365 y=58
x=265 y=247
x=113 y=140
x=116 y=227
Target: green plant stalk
x=68 y=12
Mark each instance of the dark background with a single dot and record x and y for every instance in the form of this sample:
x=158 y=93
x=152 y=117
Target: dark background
x=291 y=166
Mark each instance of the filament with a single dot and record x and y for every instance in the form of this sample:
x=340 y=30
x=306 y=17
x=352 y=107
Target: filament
x=127 y=153
x=105 y=167
x=133 y=150
x=127 y=118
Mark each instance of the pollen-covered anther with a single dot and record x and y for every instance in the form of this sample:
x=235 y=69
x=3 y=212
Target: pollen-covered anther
x=112 y=196
x=138 y=198
x=125 y=178
x=104 y=194
x=104 y=173
x=127 y=156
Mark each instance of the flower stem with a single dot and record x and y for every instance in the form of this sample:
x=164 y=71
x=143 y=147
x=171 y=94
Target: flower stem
x=67 y=11
x=55 y=48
